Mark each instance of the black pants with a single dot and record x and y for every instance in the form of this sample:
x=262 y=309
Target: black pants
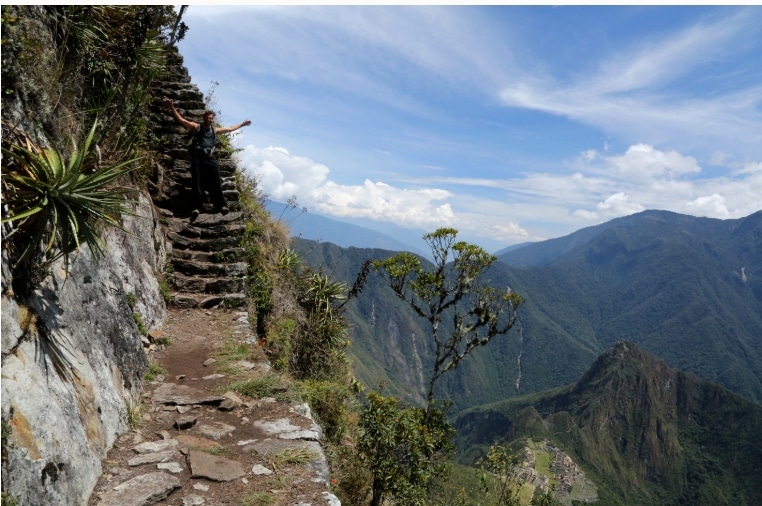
x=205 y=176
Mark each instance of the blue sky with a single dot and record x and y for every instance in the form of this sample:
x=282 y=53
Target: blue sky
x=508 y=123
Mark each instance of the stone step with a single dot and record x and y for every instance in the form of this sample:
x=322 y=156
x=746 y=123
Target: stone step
x=177 y=78
x=216 y=244
x=171 y=133
x=180 y=92
x=209 y=226
x=190 y=300
x=181 y=182
x=181 y=162
x=227 y=164
x=233 y=195
x=228 y=255
x=198 y=268
x=179 y=152
x=203 y=285
x=180 y=171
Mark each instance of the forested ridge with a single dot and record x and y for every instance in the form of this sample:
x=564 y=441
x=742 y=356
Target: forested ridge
x=686 y=289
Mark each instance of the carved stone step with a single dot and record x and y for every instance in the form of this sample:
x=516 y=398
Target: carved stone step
x=231 y=195
x=209 y=226
x=216 y=244
x=196 y=284
x=194 y=267
x=190 y=300
x=226 y=164
x=228 y=255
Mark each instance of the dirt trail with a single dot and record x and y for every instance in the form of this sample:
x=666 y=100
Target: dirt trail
x=240 y=450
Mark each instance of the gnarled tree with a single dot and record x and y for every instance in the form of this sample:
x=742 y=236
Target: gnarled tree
x=463 y=311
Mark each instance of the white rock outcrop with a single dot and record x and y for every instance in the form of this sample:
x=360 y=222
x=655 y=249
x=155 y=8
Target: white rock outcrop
x=64 y=415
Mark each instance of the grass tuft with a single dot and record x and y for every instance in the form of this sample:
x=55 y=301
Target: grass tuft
x=295 y=455
x=270 y=385
x=154 y=370
x=135 y=412
x=257 y=499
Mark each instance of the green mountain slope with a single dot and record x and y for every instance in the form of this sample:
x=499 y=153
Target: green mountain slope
x=645 y=433
x=389 y=345
x=686 y=289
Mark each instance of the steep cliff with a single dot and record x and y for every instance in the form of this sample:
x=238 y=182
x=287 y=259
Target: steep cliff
x=72 y=362
x=72 y=351
x=73 y=359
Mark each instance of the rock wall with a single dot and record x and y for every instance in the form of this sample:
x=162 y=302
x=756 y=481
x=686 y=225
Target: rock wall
x=73 y=361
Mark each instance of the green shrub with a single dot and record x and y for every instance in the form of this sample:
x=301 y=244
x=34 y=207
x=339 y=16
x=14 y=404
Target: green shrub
x=164 y=341
x=270 y=385
x=58 y=205
x=329 y=401
x=319 y=346
x=166 y=293
x=154 y=370
x=278 y=342
x=407 y=450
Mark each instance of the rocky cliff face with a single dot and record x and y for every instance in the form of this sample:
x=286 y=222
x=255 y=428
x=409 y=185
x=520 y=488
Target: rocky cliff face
x=72 y=362
x=72 y=357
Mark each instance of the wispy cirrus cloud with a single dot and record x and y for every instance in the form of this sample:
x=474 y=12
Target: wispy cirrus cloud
x=653 y=90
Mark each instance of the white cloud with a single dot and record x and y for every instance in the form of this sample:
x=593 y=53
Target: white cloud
x=658 y=62
x=379 y=201
x=642 y=162
x=320 y=74
x=614 y=206
x=709 y=205
x=599 y=189
x=283 y=175
x=602 y=187
x=752 y=168
x=648 y=178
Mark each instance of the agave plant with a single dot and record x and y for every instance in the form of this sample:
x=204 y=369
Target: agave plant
x=57 y=206
x=325 y=292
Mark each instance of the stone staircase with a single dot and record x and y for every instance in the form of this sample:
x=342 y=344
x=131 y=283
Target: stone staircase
x=205 y=269
x=193 y=446
x=204 y=253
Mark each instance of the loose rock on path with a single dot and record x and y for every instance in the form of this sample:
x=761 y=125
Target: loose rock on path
x=200 y=443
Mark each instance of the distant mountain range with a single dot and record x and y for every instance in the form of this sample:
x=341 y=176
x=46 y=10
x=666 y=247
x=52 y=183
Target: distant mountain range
x=315 y=227
x=644 y=433
x=686 y=289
